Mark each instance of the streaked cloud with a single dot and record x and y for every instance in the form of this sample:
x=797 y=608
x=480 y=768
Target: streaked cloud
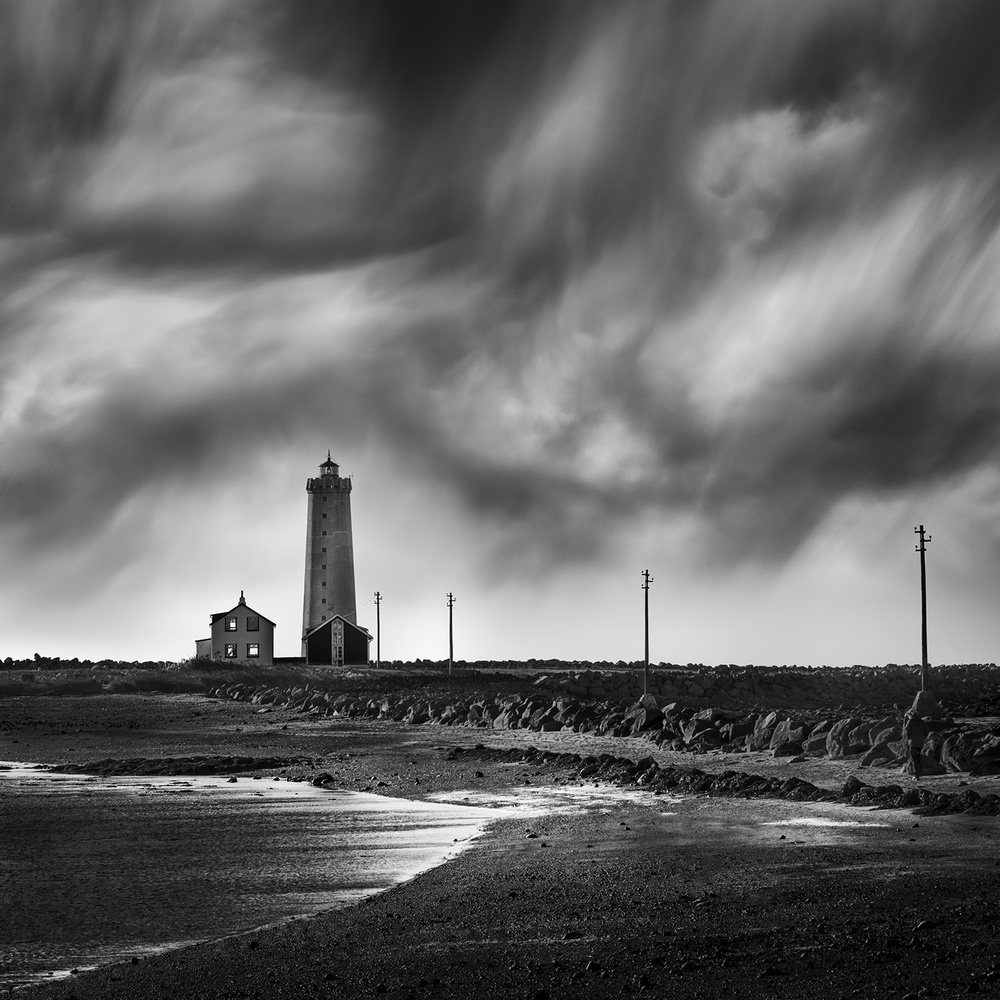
x=595 y=270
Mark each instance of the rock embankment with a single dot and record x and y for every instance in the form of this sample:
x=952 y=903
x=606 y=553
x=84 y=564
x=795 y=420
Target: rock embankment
x=653 y=777
x=873 y=738
x=780 y=687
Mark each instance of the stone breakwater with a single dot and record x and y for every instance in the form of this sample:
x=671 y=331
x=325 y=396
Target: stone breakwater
x=868 y=732
x=781 y=687
x=786 y=686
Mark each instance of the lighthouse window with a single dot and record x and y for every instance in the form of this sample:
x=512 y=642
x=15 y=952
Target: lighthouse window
x=323 y=601
x=323 y=549
x=324 y=515
x=231 y=626
x=253 y=649
x=323 y=566
x=324 y=532
x=230 y=650
x=253 y=623
x=324 y=583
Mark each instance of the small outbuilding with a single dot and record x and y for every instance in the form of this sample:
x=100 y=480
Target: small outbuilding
x=239 y=634
x=336 y=642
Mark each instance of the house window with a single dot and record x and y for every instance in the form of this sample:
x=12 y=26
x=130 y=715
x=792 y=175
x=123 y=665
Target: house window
x=323 y=566
x=324 y=534
x=323 y=583
x=253 y=623
x=253 y=650
x=231 y=626
x=323 y=549
x=324 y=515
x=230 y=650
x=323 y=601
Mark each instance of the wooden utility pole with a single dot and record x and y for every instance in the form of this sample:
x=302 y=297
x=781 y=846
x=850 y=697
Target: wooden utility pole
x=922 y=549
x=378 y=630
x=646 y=581
x=451 y=633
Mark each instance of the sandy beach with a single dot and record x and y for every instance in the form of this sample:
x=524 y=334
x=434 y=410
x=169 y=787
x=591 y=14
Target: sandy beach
x=624 y=893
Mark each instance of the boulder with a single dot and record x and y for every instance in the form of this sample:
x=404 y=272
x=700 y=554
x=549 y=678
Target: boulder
x=890 y=734
x=710 y=714
x=858 y=736
x=880 y=755
x=708 y=739
x=760 y=738
x=926 y=705
x=536 y=718
x=697 y=727
x=852 y=786
x=969 y=751
x=643 y=715
x=506 y=720
x=416 y=714
x=738 y=730
x=838 y=742
x=448 y=714
x=787 y=731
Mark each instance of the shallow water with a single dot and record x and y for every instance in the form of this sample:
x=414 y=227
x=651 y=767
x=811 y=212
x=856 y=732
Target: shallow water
x=541 y=800
x=96 y=870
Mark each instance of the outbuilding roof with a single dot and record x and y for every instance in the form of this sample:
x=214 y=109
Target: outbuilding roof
x=333 y=618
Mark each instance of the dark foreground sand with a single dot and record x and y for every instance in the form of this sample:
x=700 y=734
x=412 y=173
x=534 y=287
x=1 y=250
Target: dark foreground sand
x=694 y=898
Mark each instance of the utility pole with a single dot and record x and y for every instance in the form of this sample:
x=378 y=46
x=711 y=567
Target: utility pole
x=451 y=633
x=922 y=549
x=646 y=581
x=378 y=631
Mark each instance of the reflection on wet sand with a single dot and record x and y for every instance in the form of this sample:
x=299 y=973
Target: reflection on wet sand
x=102 y=869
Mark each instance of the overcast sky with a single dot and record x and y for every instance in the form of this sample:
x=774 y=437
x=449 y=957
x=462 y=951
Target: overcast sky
x=572 y=289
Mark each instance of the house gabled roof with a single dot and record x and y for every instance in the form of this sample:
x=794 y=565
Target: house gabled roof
x=246 y=607
x=316 y=628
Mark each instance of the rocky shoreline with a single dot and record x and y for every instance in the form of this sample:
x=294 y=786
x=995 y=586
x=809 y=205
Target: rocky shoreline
x=871 y=739
x=683 y=883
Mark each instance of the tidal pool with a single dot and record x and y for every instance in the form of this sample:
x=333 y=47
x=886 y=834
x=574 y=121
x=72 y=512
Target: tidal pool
x=95 y=870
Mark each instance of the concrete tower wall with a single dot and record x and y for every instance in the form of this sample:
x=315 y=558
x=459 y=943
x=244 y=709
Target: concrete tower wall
x=329 y=584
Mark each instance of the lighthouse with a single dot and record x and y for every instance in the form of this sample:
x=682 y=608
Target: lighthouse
x=329 y=585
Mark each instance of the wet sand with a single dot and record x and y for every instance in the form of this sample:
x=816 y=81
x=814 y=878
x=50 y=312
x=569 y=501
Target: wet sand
x=639 y=894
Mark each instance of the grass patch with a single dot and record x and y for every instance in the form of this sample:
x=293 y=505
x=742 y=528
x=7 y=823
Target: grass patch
x=182 y=678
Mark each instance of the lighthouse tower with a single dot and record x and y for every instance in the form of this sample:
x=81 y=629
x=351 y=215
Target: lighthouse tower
x=329 y=588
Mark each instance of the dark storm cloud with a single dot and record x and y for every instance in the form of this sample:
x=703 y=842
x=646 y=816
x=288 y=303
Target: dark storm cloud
x=583 y=260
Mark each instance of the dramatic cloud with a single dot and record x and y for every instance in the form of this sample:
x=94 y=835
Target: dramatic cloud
x=583 y=264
